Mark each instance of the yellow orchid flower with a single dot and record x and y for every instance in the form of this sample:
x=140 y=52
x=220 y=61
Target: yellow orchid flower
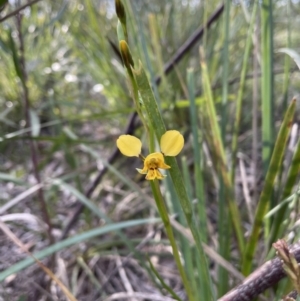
x=171 y=144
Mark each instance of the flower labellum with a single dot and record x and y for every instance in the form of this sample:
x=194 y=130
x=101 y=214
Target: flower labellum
x=151 y=164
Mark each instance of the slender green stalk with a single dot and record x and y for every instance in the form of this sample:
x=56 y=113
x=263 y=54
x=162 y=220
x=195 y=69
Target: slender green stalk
x=145 y=51
x=128 y=62
x=90 y=274
x=290 y=182
x=197 y=158
x=267 y=88
x=287 y=59
x=220 y=154
x=156 y=44
x=162 y=209
x=93 y=22
x=267 y=82
x=265 y=196
x=188 y=251
x=225 y=64
x=223 y=214
x=127 y=57
x=239 y=101
x=121 y=13
x=145 y=91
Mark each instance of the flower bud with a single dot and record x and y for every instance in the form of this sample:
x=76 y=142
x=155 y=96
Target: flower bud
x=126 y=55
x=120 y=11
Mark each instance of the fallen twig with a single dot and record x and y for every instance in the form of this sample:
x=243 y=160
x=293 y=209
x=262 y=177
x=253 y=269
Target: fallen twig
x=261 y=279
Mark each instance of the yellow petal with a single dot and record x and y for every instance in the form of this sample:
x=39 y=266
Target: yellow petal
x=129 y=146
x=171 y=143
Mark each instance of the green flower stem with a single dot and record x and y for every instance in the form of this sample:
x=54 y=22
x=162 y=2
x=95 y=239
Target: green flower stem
x=137 y=103
x=120 y=32
x=162 y=209
x=159 y=129
x=121 y=13
x=128 y=62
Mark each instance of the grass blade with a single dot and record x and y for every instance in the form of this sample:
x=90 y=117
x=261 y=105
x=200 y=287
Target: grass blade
x=197 y=158
x=267 y=82
x=239 y=100
x=224 y=225
x=74 y=240
x=265 y=196
x=220 y=153
x=163 y=283
x=290 y=182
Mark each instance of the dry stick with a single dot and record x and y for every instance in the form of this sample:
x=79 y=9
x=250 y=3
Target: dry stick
x=33 y=150
x=18 y=10
x=79 y=208
x=190 y=42
x=176 y=58
x=261 y=279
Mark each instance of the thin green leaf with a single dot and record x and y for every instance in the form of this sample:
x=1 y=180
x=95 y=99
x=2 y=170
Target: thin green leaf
x=224 y=225
x=239 y=101
x=267 y=82
x=290 y=182
x=73 y=241
x=293 y=54
x=197 y=150
x=218 y=148
x=9 y=178
x=188 y=251
x=266 y=193
x=15 y=55
x=163 y=283
x=82 y=198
